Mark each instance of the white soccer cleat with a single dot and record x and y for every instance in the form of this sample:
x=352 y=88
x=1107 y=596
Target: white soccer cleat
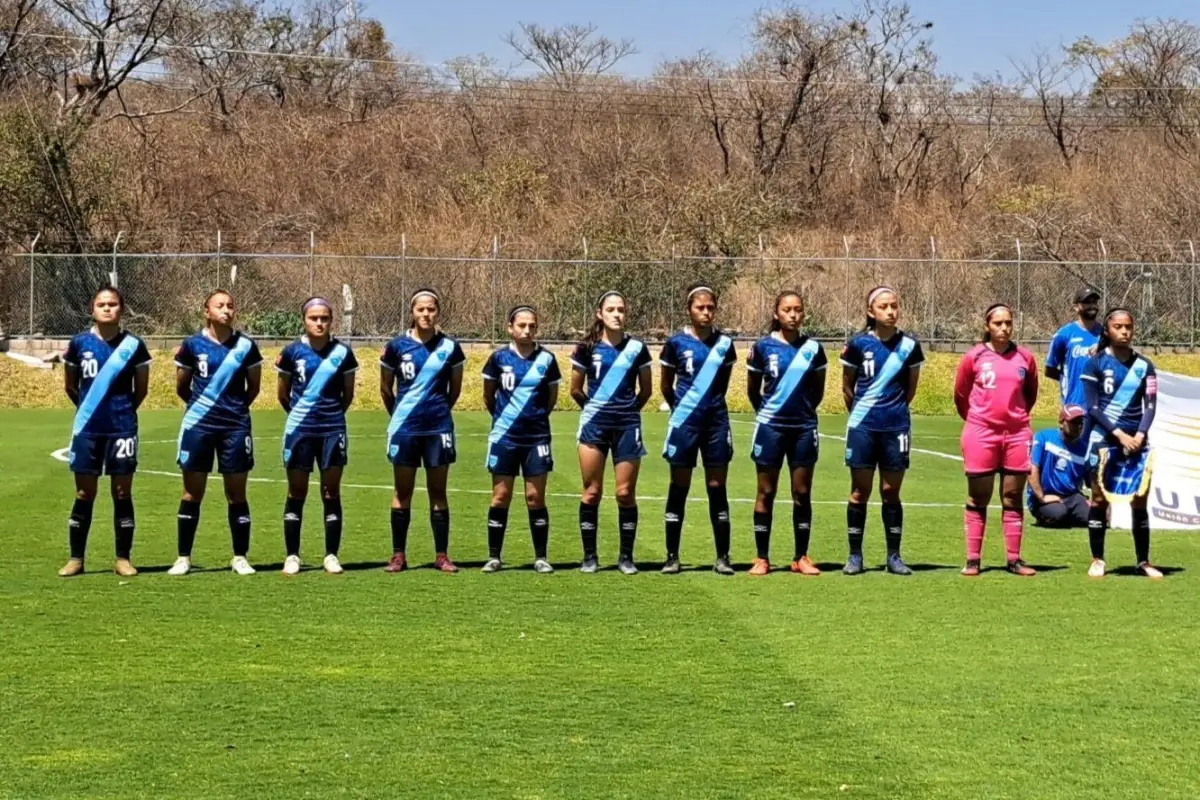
x=1150 y=571
x=1097 y=569
x=291 y=565
x=241 y=566
x=332 y=565
x=542 y=566
x=182 y=566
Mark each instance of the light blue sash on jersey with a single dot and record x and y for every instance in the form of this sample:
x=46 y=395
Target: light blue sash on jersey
x=521 y=396
x=312 y=393
x=113 y=366
x=700 y=385
x=420 y=386
x=1124 y=395
x=611 y=383
x=891 y=368
x=216 y=387
x=792 y=377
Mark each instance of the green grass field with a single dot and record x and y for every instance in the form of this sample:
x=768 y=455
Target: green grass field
x=568 y=685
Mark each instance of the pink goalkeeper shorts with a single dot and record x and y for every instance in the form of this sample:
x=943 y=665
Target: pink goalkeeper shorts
x=986 y=450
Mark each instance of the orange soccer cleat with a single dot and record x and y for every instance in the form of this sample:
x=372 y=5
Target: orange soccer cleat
x=760 y=567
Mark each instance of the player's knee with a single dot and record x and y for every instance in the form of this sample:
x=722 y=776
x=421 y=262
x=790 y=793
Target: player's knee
x=87 y=495
x=591 y=495
x=501 y=496
x=235 y=494
x=121 y=491
x=534 y=498
x=860 y=496
x=889 y=493
x=801 y=497
x=626 y=496
x=196 y=496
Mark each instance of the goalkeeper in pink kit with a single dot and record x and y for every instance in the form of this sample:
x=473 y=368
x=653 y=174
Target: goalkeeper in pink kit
x=995 y=390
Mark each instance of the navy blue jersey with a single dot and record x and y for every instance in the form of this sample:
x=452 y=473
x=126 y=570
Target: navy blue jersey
x=219 y=400
x=882 y=374
x=791 y=380
x=1062 y=466
x=1123 y=389
x=318 y=386
x=421 y=379
x=612 y=381
x=522 y=410
x=701 y=378
x=1070 y=350
x=106 y=370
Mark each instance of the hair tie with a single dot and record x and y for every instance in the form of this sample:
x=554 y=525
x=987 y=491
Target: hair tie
x=512 y=315
x=315 y=301
x=878 y=291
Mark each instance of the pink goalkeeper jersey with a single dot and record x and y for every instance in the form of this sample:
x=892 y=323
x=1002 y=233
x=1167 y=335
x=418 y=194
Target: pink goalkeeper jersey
x=997 y=390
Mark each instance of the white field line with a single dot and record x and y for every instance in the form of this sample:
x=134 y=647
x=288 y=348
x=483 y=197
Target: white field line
x=934 y=453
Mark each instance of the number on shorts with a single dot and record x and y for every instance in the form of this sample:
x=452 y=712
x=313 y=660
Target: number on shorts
x=637 y=434
x=89 y=367
x=987 y=379
x=448 y=441
x=543 y=451
x=904 y=442
x=342 y=442
x=249 y=443
x=127 y=448
x=509 y=381
x=409 y=370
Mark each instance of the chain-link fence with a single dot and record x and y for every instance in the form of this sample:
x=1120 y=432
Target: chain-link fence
x=942 y=300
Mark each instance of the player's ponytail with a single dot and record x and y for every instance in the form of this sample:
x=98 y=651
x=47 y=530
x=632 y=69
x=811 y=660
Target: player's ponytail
x=779 y=298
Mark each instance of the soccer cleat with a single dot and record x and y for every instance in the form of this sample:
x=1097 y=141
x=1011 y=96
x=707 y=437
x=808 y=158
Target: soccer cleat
x=1018 y=567
x=760 y=567
x=124 y=568
x=1097 y=569
x=182 y=566
x=971 y=570
x=722 y=566
x=672 y=567
x=442 y=563
x=71 y=568
x=805 y=566
x=1150 y=571
x=291 y=565
x=542 y=566
x=332 y=565
x=854 y=565
x=590 y=564
x=625 y=565
x=399 y=563
x=492 y=565
x=896 y=565
x=241 y=566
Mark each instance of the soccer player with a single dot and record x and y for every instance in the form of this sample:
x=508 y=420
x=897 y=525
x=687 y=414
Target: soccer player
x=1059 y=468
x=1072 y=347
x=696 y=364
x=616 y=371
x=880 y=372
x=786 y=384
x=994 y=391
x=1122 y=390
x=106 y=374
x=520 y=390
x=420 y=379
x=316 y=386
x=218 y=373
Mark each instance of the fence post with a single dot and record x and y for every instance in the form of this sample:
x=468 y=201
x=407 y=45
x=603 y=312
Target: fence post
x=32 y=248
x=1020 y=295
x=112 y=276
x=1104 y=267
x=587 y=283
x=762 y=285
x=1193 y=299
x=220 y=272
x=931 y=329
x=403 y=269
x=495 y=274
x=848 y=304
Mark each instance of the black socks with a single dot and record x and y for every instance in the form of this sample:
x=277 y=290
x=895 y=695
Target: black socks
x=333 y=525
x=123 y=526
x=762 y=533
x=627 y=518
x=539 y=529
x=673 y=518
x=400 y=519
x=856 y=522
x=802 y=514
x=1097 y=528
x=718 y=515
x=893 y=526
x=439 y=520
x=497 y=522
x=293 y=518
x=78 y=526
x=589 y=519
x=186 y=522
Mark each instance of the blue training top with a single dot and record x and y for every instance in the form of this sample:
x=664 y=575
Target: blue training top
x=1062 y=467
x=1070 y=350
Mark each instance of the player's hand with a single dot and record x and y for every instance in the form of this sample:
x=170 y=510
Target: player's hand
x=1050 y=498
x=1136 y=443
x=1126 y=442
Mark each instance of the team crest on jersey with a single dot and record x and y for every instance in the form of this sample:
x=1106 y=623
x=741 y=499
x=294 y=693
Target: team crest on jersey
x=1021 y=373
x=1061 y=463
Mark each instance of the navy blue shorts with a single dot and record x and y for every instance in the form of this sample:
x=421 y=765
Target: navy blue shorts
x=431 y=449
x=104 y=455
x=234 y=451
x=886 y=451
x=325 y=450
x=771 y=445
x=530 y=460
x=714 y=446
x=625 y=444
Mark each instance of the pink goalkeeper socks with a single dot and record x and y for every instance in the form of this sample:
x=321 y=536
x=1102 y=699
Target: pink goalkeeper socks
x=1014 y=529
x=974 y=523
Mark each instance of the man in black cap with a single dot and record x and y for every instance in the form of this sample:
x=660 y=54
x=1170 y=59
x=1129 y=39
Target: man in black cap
x=1072 y=346
x=1054 y=493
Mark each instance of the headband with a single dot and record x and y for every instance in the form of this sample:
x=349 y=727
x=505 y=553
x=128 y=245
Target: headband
x=512 y=315
x=608 y=294
x=878 y=291
x=1112 y=312
x=992 y=309
x=424 y=293
x=701 y=290
x=315 y=301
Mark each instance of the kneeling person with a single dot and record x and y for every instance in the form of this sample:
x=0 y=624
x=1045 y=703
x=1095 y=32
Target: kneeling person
x=1055 y=492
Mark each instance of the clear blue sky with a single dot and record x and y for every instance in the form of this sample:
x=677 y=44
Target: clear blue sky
x=970 y=37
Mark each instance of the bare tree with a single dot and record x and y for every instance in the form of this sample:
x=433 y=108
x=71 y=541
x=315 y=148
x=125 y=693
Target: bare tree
x=1059 y=102
x=569 y=53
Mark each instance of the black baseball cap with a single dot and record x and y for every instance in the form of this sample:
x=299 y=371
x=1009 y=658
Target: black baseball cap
x=1085 y=294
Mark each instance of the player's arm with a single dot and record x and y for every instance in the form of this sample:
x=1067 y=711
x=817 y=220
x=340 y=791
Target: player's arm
x=347 y=390
x=253 y=383
x=667 y=383
x=1035 y=484
x=71 y=382
x=183 y=383
x=489 y=393
x=915 y=359
x=551 y=398
x=964 y=379
x=849 y=377
x=283 y=391
x=1030 y=387
x=1149 y=408
x=141 y=385
x=455 y=390
x=577 y=392
x=387 y=392
x=1054 y=357
x=754 y=388
x=816 y=386
x=645 y=385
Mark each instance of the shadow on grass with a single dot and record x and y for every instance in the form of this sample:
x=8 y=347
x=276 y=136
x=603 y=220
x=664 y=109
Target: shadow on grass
x=1038 y=567
x=1132 y=572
